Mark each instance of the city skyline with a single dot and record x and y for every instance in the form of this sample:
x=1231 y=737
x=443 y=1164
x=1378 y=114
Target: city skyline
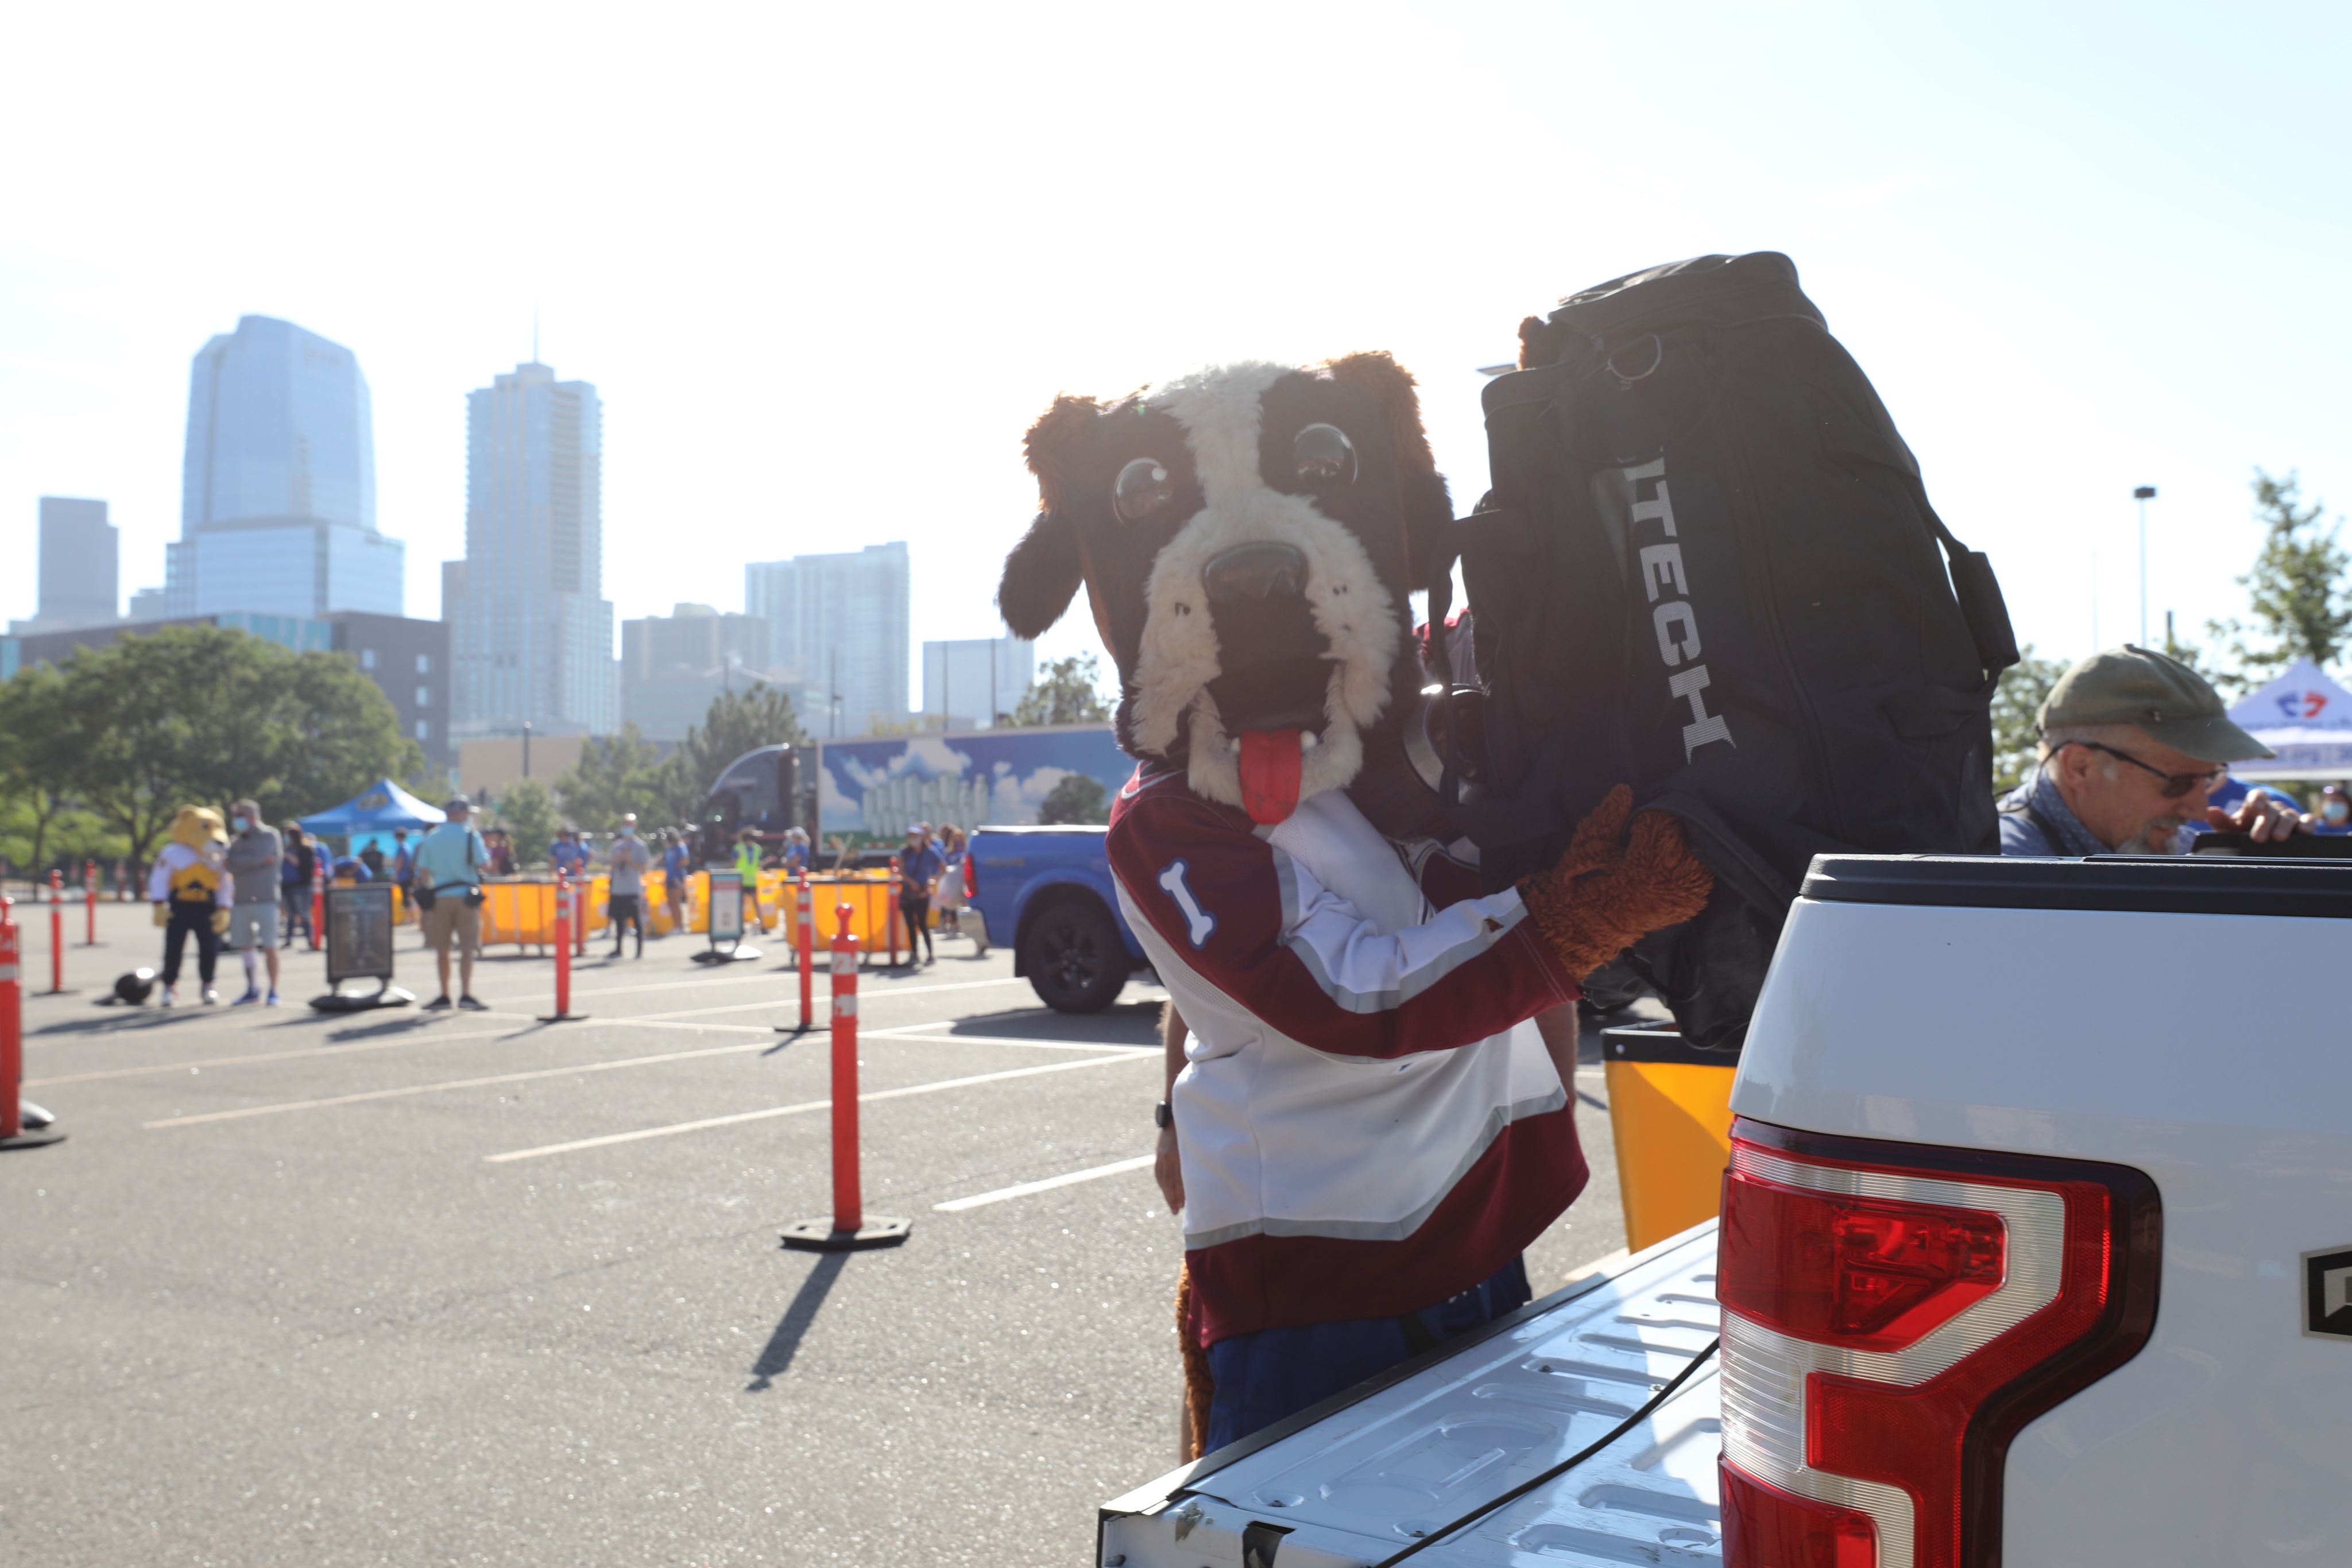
x=838 y=625
x=81 y=565
x=2001 y=258
x=531 y=631
x=277 y=509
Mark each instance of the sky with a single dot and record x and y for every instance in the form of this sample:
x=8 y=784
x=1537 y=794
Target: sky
x=825 y=264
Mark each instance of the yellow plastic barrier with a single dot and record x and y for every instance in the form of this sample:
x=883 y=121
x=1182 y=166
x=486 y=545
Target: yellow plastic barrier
x=1670 y=1111
x=523 y=913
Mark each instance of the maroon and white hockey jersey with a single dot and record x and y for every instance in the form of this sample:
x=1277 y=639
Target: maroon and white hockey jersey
x=1368 y=1121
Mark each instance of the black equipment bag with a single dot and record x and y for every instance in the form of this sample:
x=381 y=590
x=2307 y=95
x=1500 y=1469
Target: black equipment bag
x=1707 y=569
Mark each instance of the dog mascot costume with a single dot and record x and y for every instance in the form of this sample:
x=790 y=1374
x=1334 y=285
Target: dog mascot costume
x=1370 y=1128
x=190 y=889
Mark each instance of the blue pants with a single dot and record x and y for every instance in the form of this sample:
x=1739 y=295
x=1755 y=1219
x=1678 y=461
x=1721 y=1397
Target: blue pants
x=1261 y=1377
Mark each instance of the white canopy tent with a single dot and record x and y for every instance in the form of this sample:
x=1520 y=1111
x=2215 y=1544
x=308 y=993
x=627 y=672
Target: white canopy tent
x=2304 y=717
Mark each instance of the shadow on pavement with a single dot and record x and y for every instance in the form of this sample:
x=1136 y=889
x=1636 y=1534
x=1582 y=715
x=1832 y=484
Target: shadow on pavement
x=785 y=1342
x=1129 y=1023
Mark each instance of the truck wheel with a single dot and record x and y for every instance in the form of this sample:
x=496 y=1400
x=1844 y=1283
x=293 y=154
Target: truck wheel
x=1074 y=957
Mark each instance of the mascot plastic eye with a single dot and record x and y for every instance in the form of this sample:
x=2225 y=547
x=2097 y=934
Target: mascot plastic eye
x=1143 y=487
x=1322 y=454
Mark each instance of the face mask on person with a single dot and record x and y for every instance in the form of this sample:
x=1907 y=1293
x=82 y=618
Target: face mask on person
x=627 y=831
x=240 y=825
x=2337 y=812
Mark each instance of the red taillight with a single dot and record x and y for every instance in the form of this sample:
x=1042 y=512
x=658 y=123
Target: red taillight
x=971 y=875
x=1892 y=1315
x=1860 y=1271
x=1774 y=1529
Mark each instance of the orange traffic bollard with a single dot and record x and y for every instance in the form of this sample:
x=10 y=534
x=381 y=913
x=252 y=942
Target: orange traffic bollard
x=567 y=896
x=12 y=1134
x=89 y=899
x=12 y=1024
x=317 y=894
x=805 y=939
x=56 y=934
x=890 y=916
x=849 y=1227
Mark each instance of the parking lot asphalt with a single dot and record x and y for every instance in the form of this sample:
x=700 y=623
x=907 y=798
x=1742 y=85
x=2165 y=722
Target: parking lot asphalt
x=416 y=1288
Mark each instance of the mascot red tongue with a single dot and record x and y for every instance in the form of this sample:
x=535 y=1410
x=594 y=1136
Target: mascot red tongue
x=1270 y=770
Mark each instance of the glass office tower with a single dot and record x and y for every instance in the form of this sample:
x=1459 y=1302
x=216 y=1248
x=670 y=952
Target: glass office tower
x=839 y=623
x=531 y=632
x=278 y=488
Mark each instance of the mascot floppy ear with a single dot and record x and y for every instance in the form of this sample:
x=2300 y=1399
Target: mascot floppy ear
x=1427 y=507
x=1044 y=571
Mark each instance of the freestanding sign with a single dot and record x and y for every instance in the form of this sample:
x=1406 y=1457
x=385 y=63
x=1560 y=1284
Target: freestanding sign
x=726 y=921
x=359 y=947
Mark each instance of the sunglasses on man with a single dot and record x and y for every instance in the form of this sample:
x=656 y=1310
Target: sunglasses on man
x=2176 y=784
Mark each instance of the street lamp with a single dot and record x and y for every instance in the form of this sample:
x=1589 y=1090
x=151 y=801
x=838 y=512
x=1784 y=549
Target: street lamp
x=2144 y=495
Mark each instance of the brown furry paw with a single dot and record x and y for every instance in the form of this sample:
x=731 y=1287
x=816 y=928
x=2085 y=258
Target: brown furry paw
x=1612 y=888
x=1199 y=1387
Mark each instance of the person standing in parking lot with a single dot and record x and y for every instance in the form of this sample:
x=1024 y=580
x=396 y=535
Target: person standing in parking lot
x=628 y=860
x=253 y=853
x=294 y=881
x=678 y=870
x=449 y=866
x=919 y=866
x=2132 y=743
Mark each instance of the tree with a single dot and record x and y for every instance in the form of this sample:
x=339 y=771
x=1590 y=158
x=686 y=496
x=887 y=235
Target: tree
x=1078 y=798
x=617 y=774
x=37 y=759
x=737 y=722
x=527 y=811
x=344 y=735
x=2299 y=598
x=2016 y=744
x=1062 y=693
x=205 y=715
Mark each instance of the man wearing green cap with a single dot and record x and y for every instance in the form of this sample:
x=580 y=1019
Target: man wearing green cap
x=2132 y=744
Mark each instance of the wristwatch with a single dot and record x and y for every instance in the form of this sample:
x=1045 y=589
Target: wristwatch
x=1162 y=1116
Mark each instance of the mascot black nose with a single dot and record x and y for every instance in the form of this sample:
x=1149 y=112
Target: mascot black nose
x=1255 y=574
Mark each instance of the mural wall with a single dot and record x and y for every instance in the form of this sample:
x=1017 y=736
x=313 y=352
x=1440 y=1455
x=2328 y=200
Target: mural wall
x=989 y=777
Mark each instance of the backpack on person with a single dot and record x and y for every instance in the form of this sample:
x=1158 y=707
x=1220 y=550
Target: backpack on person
x=1707 y=567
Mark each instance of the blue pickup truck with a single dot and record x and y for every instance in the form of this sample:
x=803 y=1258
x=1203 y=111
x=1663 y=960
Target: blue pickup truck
x=1046 y=894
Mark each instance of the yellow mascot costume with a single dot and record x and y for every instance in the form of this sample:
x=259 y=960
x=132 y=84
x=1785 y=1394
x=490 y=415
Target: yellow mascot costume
x=190 y=890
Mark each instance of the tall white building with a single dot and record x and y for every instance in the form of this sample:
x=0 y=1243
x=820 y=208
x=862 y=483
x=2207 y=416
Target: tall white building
x=838 y=625
x=531 y=631
x=968 y=683
x=278 y=485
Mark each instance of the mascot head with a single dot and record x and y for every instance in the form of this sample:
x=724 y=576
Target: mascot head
x=198 y=827
x=1247 y=535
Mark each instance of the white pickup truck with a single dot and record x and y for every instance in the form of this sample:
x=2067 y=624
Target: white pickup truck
x=2037 y=1249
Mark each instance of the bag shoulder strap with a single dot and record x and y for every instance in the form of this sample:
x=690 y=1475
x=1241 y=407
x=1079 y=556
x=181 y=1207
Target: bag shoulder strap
x=2041 y=824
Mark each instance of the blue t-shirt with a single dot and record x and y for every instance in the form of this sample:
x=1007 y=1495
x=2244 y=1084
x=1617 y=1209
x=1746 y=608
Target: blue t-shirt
x=451 y=855
x=921 y=867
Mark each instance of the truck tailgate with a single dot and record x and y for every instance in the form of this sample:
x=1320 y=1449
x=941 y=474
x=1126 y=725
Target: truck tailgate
x=1469 y=1422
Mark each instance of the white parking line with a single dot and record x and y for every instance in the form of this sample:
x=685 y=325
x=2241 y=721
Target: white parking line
x=1117 y=1168
x=870 y=989
x=655 y=1022
x=915 y=1033
x=385 y=1045
x=808 y=1105
x=436 y=1088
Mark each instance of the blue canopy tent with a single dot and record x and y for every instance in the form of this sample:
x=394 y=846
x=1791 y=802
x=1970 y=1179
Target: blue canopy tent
x=378 y=808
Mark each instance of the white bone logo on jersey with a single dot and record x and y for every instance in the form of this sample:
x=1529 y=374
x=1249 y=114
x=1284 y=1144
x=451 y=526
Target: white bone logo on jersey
x=1198 y=920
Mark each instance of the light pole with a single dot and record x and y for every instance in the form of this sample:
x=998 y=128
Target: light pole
x=2144 y=495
